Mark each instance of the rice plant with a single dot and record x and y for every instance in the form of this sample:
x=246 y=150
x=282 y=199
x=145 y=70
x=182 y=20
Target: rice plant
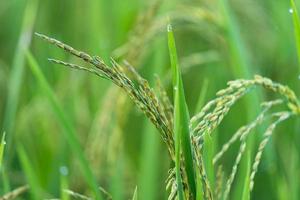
x=158 y=126
x=184 y=137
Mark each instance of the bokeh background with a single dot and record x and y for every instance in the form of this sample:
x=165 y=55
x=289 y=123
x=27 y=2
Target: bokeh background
x=43 y=105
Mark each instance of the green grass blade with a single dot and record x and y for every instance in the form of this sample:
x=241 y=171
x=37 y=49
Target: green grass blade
x=294 y=170
x=174 y=61
x=239 y=56
x=5 y=180
x=69 y=132
x=33 y=182
x=116 y=181
x=64 y=183
x=202 y=95
x=16 y=75
x=208 y=155
x=181 y=119
x=199 y=186
x=149 y=164
x=296 y=22
x=246 y=185
x=2 y=149
x=242 y=186
x=135 y=194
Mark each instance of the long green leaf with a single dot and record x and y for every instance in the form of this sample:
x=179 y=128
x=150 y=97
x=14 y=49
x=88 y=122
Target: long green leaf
x=296 y=21
x=69 y=132
x=64 y=183
x=2 y=144
x=5 y=180
x=181 y=120
x=17 y=70
x=202 y=96
x=30 y=174
x=208 y=155
x=199 y=186
x=242 y=189
x=174 y=61
x=135 y=194
x=246 y=184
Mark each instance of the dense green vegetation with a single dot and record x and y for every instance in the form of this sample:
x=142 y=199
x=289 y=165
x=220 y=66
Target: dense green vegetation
x=145 y=124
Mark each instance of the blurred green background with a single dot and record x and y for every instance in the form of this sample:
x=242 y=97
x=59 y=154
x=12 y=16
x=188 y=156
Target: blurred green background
x=44 y=106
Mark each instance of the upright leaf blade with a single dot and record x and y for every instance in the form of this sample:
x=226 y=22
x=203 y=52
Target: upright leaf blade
x=181 y=121
x=202 y=96
x=246 y=188
x=208 y=155
x=174 y=61
x=242 y=189
x=296 y=22
x=135 y=194
x=29 y=172
x=5 y=180
x=2 y=144
x=17 y=71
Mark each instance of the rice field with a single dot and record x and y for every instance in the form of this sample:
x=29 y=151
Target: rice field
x=111 y=99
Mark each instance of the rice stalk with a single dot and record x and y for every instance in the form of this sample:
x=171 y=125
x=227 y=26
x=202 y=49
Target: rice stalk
x=187 y=152
x=222 y=104
x=107 y=195
x=167 y=106
x=282 y=116
x=234 y=169
x=214 y=111
x=206 y=189
x=15 y=193
x=247 y=128
x=226 y=98
x=76 y=195
x=141 y=94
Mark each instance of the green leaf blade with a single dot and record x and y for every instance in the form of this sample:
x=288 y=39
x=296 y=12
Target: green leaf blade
x=32 y=179
x=2 y=144
x=296 y=22
x=181 y=120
